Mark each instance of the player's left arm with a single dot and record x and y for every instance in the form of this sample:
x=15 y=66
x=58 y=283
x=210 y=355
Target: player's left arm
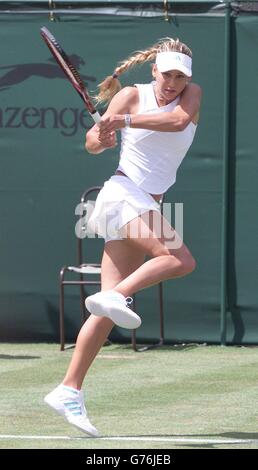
x=174 y=121
x=188 y=107
x=177 y=120
x=186 y=111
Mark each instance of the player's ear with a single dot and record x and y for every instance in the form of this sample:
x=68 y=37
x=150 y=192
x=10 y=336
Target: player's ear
x=154 y=70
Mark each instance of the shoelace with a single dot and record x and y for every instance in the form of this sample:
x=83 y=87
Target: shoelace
x=129 y=301
x=126 y=300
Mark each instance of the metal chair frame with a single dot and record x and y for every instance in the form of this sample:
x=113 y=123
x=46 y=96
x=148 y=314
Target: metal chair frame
x=81 y=270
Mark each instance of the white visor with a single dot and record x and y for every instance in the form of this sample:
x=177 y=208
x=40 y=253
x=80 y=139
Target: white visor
x=171 y=60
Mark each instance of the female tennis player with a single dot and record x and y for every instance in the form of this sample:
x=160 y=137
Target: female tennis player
x=158 y=121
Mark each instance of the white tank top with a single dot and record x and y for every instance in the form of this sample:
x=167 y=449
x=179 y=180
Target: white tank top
x=151 y=158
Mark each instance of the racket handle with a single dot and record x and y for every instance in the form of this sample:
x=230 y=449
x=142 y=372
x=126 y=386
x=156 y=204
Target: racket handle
x=96 y=116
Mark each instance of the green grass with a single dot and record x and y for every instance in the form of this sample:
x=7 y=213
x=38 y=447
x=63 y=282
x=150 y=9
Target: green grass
x=198 y=392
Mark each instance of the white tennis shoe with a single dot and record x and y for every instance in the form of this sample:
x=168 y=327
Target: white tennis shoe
x=69 y=403
x=113 y=305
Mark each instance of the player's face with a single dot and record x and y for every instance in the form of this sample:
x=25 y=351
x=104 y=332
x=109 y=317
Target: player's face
x=169 y=84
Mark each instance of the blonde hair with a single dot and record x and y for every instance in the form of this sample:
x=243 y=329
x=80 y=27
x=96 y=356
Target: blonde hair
x=111 y=85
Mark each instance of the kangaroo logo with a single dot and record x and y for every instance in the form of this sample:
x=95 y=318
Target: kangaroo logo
x=18 y=73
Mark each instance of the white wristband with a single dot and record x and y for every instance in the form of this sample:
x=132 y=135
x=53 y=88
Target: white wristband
x=127 y=120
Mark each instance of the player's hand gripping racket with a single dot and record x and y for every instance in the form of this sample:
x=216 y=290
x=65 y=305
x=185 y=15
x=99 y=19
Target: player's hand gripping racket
x=70 y=71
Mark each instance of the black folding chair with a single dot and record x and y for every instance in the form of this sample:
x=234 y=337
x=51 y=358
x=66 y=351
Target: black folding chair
x=84 y=271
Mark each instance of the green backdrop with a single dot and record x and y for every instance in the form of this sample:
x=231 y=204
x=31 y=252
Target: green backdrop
x=44 y=167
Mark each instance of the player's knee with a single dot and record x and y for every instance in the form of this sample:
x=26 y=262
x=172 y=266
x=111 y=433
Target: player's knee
x=181 y=265
x=187 y=264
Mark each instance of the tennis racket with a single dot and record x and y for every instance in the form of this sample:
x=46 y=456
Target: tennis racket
x=70 y=71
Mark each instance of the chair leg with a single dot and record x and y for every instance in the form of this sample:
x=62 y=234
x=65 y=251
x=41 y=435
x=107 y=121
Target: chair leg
x=134 y=331
x=61 y=313
x=161 y=326
x=134 y=340
x=82 y=300
x=161 y=313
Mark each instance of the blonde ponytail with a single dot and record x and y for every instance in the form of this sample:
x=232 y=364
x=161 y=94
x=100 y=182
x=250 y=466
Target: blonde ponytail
x=111 y=85
x=108 y=88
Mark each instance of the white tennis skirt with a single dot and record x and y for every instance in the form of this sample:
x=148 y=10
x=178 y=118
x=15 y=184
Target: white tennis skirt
x=118 y=202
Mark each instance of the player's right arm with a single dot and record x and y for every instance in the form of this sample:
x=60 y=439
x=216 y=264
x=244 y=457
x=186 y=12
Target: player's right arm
x=94 y=144
x=122 y=103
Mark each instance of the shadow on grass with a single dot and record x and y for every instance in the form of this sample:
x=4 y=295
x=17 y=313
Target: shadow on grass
x=10 y=356
x=166 y=347
x=228 y=435
x=175 y=439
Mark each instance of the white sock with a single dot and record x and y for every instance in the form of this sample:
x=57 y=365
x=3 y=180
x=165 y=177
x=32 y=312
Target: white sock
x=70 y=389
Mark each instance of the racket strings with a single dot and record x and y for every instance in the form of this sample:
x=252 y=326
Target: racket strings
x=62 y=56
x=68 y=68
